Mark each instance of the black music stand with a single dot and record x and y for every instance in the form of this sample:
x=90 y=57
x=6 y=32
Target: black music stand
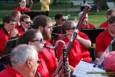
x=92 y=33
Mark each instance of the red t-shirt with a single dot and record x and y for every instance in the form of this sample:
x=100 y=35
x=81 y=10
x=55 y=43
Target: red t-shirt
x=50 y=58
x=25 y=9
x=74 y=55
x=20 y=30
x=77 y=51
x=88 y=25
x=4 y=36
x=104 y=24
x=10 y=72
x=85 y=52
x=102 y=41
x=42 y=68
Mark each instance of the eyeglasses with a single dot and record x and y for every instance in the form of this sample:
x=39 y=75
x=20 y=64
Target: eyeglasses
x=63 y=19
x=39 y=40
x=28 y=22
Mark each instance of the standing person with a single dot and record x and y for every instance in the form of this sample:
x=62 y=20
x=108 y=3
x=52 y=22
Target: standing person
x=22 y=7
x=35 y=38
x=44 y=24
x=109 y=14
x=7 y=31
x=24 y=62
x=104 y=38
x=45 y=6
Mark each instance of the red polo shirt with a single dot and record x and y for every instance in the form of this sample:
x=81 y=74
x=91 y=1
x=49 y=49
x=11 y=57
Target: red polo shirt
x=50 y=58
x=104 y=24
x=4 y=36
x=10 y=72
x=85 y=52
x=42 y=68
x=77 y=51
x=25 y=9
x=102 y=41
x=20 y=30
x=88 y=25
x=74 y=55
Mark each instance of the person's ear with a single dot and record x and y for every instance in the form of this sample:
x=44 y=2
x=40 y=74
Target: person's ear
x=29 y=64
x=41 y=28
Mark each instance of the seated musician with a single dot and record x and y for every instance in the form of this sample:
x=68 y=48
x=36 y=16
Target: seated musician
x=104 y=39
x=79 y=48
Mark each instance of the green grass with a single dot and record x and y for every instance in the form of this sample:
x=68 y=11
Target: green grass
x=97 y=19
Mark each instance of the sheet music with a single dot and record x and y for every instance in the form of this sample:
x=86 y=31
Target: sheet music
x=84 y=69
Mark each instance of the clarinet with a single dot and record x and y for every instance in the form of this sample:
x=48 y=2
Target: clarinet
x=65 y=67
x=74 y=35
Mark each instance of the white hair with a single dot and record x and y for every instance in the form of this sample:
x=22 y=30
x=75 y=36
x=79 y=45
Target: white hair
x=22 y=53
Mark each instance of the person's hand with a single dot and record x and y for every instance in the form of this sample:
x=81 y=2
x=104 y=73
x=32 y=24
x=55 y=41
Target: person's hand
x=14 y=33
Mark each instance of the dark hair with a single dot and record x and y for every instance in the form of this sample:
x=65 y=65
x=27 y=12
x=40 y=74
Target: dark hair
x=111 y=20
x=40 y=20
x=8 y=19
x=28 y=36
x=58 y=16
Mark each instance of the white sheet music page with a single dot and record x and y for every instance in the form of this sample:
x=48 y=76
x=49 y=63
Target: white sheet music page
x=84 y=69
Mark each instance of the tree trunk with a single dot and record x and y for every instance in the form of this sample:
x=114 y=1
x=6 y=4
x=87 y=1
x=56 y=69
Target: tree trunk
x=101 y=4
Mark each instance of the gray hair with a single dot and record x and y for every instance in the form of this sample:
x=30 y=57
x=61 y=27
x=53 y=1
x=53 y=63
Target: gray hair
x=23 y=52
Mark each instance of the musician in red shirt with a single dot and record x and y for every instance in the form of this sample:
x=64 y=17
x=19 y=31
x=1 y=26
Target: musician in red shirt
x=7 y=31
x=104 y=39
x=44 y=24
x=24 y=62
x=25 y=22
x=109 y=13
x=35 y=38
x=79 y=48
